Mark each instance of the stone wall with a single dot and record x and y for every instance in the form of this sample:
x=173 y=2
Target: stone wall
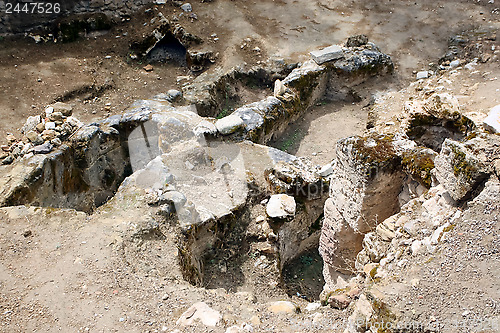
x=24 y=22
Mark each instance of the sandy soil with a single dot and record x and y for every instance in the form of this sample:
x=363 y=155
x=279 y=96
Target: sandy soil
x=69 y=277
x=35 y=75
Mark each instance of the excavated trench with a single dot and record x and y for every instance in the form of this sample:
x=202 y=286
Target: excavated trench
x=89 y=168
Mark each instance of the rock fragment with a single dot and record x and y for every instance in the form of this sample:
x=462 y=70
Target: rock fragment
x=281 y=206
x=357 y=41
x=229 y=124
x=283 y=307
x=492 y=122
x=329 y=53
x=202 y=312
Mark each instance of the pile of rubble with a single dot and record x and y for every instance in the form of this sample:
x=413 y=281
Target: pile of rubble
x=42 y=133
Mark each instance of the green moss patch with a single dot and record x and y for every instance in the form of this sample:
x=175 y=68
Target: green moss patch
x=419 y=163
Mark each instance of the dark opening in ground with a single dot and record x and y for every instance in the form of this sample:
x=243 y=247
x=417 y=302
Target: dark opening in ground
x=431 y=132
x=303 y=276
x=168 y=50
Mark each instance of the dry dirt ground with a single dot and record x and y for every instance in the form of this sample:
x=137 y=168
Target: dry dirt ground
x=35 y=75
x=69 y=277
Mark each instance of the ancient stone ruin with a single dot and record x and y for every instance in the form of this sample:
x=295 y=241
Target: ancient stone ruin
x=179 y=169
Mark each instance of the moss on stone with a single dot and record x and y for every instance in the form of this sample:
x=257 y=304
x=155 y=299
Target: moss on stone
x=383 y=319
x=381 y=154
x=461 y=165
x=419 y=164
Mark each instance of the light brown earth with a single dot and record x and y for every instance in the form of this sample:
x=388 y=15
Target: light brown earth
x=68 y=277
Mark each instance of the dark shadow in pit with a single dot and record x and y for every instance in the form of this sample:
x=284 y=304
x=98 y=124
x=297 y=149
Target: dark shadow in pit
x=168 y=50
x=430 y=132
x=303 y=276
x=222 y=265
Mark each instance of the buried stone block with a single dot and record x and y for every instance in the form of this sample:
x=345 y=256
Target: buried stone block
x=339 y=244
x=366 y=181
x=458 y=169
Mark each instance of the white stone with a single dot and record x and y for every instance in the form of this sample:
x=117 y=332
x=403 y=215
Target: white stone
x=281 y=205
x=416 y=247
x=64 y=108
x=50 y=125
x=48 y=111
x=492 y=122
x=437 y=236
x=327 y=54
x=422 y=75
x=74 y=122
x=279 y=88
x=313 y=306
x=243 y=328
x=187 y=7
x=455 y=63
x=201 y=311
x=326 y=170
x=361 y=315
x=283 y=307
x=229 y=124
x=30 y=124
x=205 y=127
x=173 y=95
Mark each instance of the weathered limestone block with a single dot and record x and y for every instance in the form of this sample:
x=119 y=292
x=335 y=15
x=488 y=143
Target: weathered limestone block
x=419 y=162
x=339 y=244
x=458 y=169
x=229 y=124
x=366 y=181
x=329 y=53
x=208 y=91
x=81 y=174
x=309 y=81
x=298 y=178
x=357 y=66
x=443 y=106
x=492 y=122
